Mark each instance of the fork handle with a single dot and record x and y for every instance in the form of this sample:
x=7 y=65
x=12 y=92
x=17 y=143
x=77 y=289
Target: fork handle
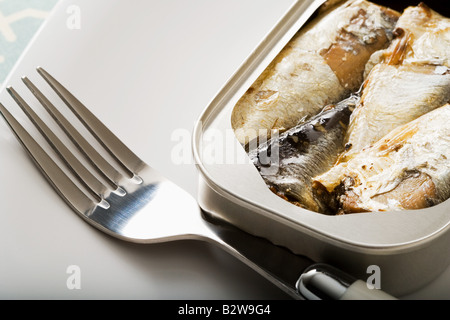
x=298 y=276
x=276 y=264
x=324 y=282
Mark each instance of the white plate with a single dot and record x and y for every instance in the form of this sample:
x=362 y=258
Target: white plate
x=147 y=69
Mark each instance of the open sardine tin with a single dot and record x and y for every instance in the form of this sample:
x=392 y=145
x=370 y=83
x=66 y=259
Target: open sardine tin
x=410 y=247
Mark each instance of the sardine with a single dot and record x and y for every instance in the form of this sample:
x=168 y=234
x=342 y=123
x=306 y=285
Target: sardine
x=409 y=168
x=321 y=65
x=412 y=78
x=288 y=162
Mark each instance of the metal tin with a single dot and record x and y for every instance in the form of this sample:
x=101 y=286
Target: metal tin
x=409 y=247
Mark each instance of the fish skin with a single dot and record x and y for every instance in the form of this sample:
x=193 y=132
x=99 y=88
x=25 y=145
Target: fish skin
x=288 y=162
x=393 y=96
x=318 y=67
x=407 y=169
x=412 y=79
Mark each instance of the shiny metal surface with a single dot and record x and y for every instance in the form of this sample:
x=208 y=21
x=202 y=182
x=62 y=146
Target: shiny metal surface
x=137 y=204
x=324 y=282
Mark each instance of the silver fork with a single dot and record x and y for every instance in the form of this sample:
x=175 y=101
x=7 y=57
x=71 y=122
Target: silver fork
x=129 y=199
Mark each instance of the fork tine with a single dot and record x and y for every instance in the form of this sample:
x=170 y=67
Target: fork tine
x=111 y=175
x=59 y=180
x=96 y=188
x=129 y=161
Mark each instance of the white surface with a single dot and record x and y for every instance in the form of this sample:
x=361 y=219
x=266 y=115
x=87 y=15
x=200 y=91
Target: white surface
x=147 y=69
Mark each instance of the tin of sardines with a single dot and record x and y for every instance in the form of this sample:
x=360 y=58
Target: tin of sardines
x=333 y=139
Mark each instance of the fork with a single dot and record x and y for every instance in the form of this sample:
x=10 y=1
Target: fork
x=128 y=199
